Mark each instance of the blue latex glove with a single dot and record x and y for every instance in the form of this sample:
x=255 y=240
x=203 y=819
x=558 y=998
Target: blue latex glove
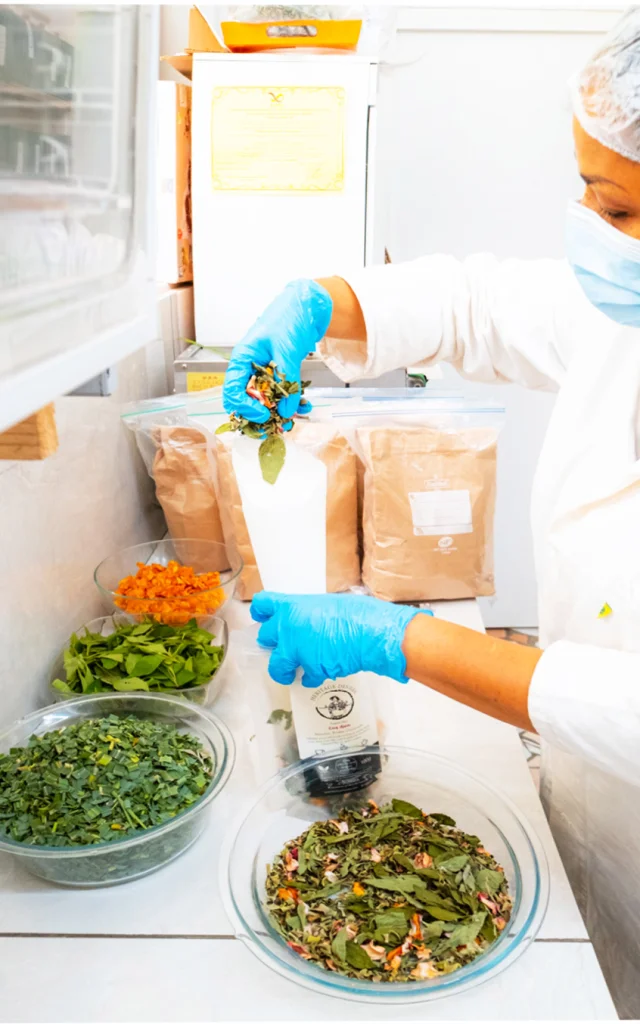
x=331 y=636
x=288 y=330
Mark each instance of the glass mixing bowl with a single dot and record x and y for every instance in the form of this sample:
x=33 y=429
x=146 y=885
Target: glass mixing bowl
x=204 y=694
x=282 y=809
x=123 y=860
x=202 y=556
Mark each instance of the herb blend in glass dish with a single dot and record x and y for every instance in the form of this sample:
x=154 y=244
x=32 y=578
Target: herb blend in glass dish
x=99 y=781
x=106 y=788
x=269 y=923
x=388 y=893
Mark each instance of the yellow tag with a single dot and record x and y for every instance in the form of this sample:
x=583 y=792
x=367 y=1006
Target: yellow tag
x=202 y=381
x=278 y=139
x=605 y=611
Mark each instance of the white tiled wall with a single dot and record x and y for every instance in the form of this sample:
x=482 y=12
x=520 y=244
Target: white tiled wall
x=59 y=518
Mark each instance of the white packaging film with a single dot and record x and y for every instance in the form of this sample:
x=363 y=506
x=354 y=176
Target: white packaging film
x=286 y=520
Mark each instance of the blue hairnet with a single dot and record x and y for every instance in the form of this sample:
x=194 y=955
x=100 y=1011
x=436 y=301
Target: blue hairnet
x=606 y=93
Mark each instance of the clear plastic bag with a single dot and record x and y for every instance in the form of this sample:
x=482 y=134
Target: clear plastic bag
x=273 y=743
x=260 y=13
x=174 y=446
x=428 y=497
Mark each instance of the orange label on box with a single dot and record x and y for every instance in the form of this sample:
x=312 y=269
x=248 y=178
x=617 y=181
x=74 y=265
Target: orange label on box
x=202 y=381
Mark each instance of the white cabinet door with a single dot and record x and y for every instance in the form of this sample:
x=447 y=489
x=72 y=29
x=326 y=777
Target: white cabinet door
x=76 y=107
x=250 y=235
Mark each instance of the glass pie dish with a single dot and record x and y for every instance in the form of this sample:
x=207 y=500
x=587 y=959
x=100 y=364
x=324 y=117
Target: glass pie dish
x=204 y=694
x=203 y=556
x=282 y=810
x=108 y=863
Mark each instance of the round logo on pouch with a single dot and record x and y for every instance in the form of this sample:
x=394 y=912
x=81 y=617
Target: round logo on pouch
x=338 y=705
x=445 y=542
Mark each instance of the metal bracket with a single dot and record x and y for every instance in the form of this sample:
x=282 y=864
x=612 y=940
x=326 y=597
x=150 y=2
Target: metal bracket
x=98 y=387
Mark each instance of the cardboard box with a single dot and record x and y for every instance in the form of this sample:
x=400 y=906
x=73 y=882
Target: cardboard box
x=202 y=39
x=174 y=253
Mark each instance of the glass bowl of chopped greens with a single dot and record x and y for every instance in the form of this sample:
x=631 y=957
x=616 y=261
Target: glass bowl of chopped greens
x=169 y=581
x=112 y=654
x=425 y=883
x=105 y=789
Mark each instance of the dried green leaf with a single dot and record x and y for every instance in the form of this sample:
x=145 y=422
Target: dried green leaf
x=409 y=810
x=489 y=881
x=356 y=957
x=444 y=819
x=271 y=454
x=339 y=945
x=453 y=864
x=281 y=717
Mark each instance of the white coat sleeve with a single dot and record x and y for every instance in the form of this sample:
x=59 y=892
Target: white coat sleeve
x=514 y=320
x=586 y=700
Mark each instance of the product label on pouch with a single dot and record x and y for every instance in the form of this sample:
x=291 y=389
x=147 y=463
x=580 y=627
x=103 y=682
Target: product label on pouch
x=435 y=513
x=337 y=716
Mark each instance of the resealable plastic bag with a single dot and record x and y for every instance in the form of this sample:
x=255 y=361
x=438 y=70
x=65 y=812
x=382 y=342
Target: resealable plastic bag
x=429 y=494
x=175 y=449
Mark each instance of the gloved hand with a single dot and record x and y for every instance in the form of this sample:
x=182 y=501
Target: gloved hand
x=288 y=330
x=331 y=636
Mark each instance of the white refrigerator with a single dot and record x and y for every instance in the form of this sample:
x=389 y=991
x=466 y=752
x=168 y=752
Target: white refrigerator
x=282 y=178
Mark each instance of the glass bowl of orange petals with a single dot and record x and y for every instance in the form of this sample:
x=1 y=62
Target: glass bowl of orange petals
x=169 y=581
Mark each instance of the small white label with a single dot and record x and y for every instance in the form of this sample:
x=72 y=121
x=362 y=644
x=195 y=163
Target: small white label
x=440 y=512
x=3 y=45
x=337 y=716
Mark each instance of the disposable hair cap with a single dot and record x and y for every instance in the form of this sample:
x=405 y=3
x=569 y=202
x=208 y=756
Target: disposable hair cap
x=606 y=93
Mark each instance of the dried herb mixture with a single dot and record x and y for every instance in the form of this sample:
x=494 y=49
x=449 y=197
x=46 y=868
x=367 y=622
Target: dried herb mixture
x=388 y=894
x=267 y=385
x=148 y=656
x=99 y=780
x=171 y=593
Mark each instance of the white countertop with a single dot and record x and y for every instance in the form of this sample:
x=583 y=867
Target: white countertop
x=161 y=949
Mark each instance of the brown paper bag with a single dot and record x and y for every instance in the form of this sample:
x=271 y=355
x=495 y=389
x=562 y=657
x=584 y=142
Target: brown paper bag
x=185 y=489
x=429 y=498
x=343 y=561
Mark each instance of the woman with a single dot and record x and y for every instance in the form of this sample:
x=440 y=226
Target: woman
x=565 y=326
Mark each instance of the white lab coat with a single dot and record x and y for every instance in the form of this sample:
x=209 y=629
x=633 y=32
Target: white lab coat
x=529 y=323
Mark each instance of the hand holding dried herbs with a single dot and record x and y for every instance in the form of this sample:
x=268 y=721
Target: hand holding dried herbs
x=267 y=385
x=387 y=894
x=99 y=781
x=149 y=656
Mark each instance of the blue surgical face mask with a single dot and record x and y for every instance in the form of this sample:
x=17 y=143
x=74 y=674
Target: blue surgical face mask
x=606 y=263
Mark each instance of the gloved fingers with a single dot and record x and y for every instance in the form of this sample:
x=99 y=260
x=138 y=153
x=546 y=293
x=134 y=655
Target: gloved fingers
x=263 y=606
x=282 y=669
x=304 y=408
x=234 y=395
x=287 y=426
x=268 y=633
x=288 y=407
x=312 y=679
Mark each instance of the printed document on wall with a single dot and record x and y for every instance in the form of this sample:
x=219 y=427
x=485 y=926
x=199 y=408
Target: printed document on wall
x=278 y=139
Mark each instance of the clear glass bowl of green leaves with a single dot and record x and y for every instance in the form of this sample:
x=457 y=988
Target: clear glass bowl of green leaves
x=105 y=789
x=113 y=654
x=425 y=883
